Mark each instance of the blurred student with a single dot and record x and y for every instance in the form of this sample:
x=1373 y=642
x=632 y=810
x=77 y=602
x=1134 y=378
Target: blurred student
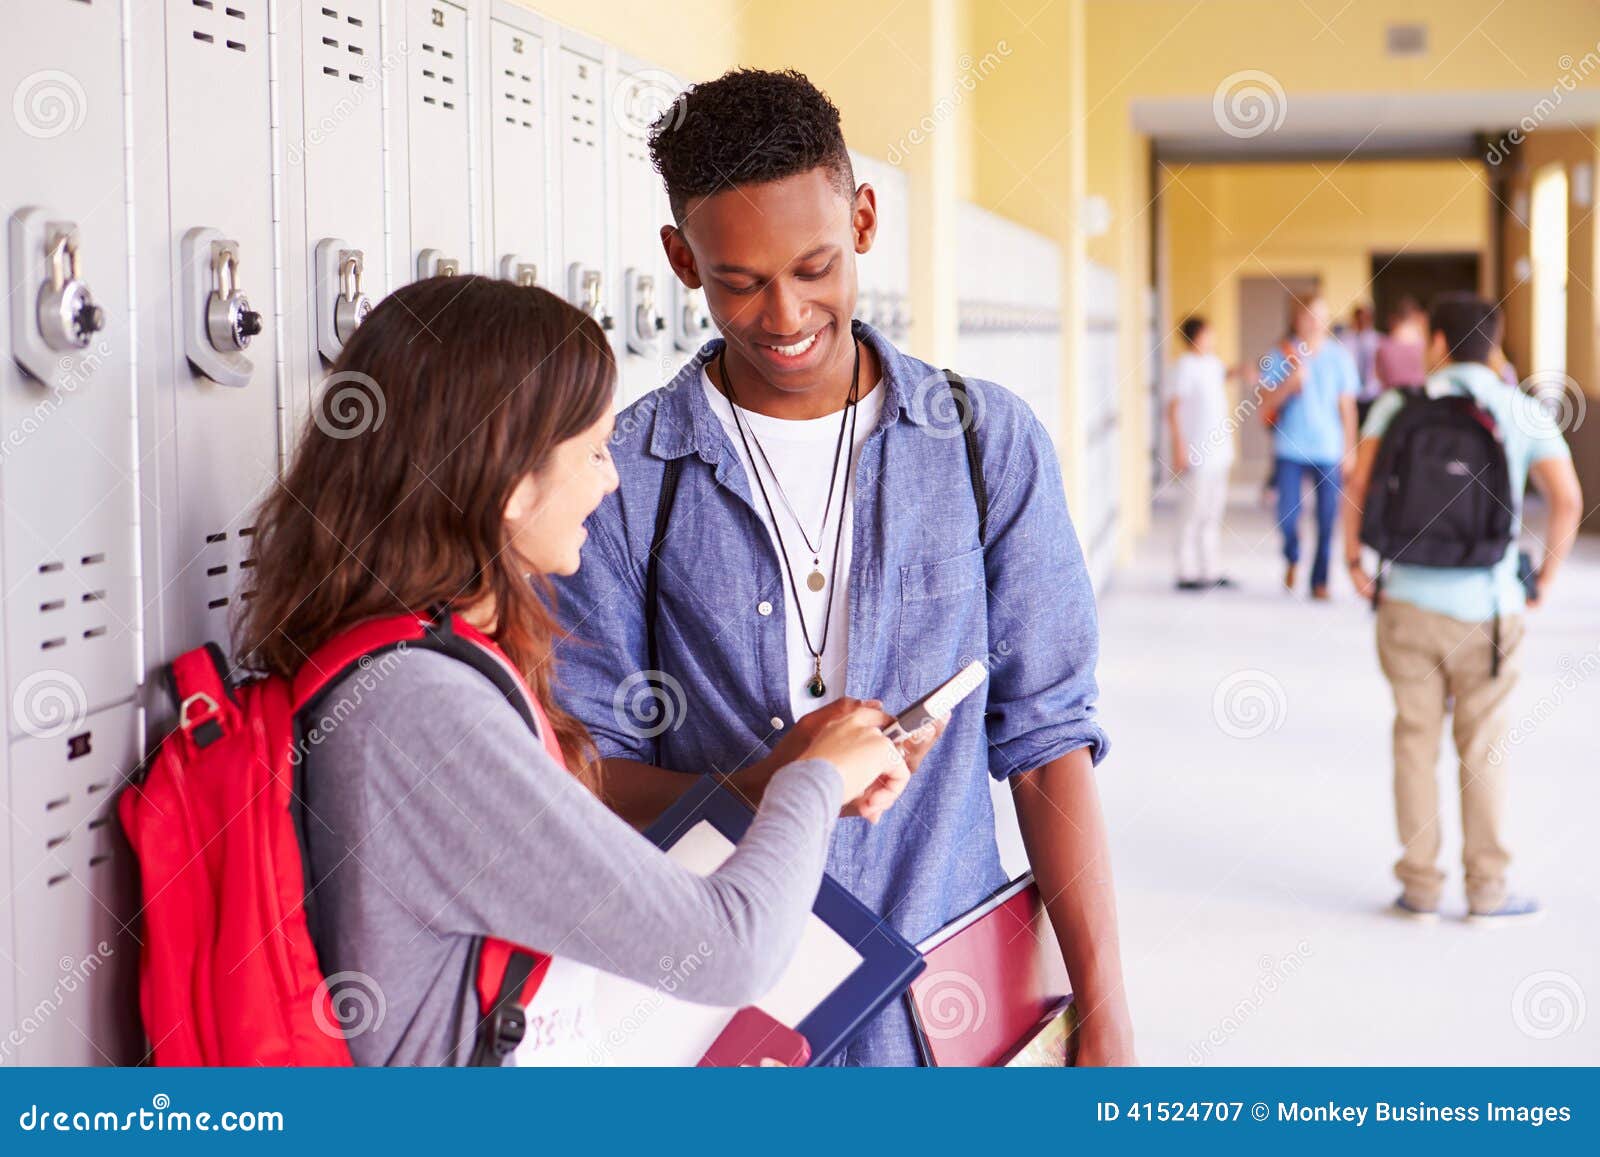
x=1362 y=339
x=820 y=501
x=1202 y=454
x=1450 y=637
x=438 y=814
x=1400 y=360
x=1309 y=387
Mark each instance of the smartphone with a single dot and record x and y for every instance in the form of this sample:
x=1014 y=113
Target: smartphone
x=938 y=703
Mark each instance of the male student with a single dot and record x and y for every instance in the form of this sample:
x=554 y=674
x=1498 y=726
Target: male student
x=1309 y=388
x=1450 y=638
x=822 y=546
x=1202 y=454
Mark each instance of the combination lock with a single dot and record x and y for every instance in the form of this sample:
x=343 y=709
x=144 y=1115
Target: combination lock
x=353 y=305
x=68 y=315
x=230 y=322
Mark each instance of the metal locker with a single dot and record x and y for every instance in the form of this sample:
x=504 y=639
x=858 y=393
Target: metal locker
x=336 y=264
x=75 y=894
x=68 y=532
x=439 y=161
x=646 y=355
x=207 y=250
x=580 y=116
x=519 y=199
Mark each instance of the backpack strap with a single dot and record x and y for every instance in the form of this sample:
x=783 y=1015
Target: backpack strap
x=507 y=978
x=652 y=567
x=980 y=490
x=207 y=708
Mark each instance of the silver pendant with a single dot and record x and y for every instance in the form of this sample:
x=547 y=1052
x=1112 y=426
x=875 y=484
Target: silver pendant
x=815 y=581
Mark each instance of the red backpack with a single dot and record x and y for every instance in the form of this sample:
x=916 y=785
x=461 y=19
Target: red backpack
x=228 y=973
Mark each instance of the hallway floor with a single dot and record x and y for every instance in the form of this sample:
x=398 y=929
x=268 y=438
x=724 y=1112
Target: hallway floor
x=1248 y=793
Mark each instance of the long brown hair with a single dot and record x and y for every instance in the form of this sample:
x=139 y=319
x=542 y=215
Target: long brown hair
x=451 y=392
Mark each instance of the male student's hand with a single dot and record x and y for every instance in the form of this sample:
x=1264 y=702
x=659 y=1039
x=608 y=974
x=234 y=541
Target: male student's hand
x=1364 y=583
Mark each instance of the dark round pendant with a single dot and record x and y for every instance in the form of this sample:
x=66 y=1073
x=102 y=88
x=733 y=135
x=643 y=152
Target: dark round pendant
x=815 y=581
x=817 y=688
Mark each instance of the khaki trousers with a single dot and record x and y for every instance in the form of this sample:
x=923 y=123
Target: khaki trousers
x=1439 y=666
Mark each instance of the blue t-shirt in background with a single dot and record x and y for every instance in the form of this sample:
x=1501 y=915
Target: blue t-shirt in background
x=1474 y=594
x=1310 y=426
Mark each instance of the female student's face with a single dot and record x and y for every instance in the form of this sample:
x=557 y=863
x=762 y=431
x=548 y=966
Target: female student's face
x=545 y=515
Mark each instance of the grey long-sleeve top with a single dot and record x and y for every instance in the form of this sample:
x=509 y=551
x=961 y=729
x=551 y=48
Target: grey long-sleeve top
x=435 y=815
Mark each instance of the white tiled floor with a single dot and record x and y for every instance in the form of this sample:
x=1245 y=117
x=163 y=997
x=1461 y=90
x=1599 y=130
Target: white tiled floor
x=1253 y=851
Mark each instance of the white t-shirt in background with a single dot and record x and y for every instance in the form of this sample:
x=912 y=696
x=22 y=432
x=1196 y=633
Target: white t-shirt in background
x=801 y=452
x=1197 y=382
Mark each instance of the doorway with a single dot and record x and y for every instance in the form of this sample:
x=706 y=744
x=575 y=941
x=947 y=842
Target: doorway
x=1420 y=276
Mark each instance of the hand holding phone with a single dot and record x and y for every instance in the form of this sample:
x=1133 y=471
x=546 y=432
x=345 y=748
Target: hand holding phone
x=937 y=704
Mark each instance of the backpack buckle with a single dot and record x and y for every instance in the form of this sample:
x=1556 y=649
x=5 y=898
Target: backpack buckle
x=204 y=729
x=507 y=1026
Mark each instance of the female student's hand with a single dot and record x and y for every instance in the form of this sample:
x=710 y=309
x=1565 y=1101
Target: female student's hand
x=874 y=771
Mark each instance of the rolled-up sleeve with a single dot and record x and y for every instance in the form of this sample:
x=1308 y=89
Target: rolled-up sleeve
x=1043 y=631
x=600 y=649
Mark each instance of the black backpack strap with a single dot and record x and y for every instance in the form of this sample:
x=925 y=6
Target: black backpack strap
x=503 y=1024
x=652 y=566
x=980 y=490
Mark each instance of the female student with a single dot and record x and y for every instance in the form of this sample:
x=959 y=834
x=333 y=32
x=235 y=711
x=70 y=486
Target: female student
x=460 y=446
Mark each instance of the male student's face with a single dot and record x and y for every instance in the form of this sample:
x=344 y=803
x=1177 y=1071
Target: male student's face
x=777 y=264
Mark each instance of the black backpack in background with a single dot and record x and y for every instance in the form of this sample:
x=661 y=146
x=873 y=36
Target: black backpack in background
x=1440 y=493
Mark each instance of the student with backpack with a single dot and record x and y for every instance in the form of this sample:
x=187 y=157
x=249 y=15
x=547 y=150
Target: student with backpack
x=462 y=885
x=1437 y=491
x=1309 y=388
x=805 y=512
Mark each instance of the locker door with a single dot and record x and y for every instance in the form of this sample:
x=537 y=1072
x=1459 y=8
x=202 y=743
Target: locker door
x=518 y=170
x=217 y=406
x=581 y=117
x=76 y=890
x=438 y=131
x=644 y=344
x=334 y=182
x=70 y=629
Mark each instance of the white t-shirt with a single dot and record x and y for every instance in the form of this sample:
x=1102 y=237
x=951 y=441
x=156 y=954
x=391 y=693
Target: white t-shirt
x=800 y=453
x=1197 y=383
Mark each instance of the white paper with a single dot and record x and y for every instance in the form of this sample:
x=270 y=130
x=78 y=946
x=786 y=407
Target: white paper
x=645 y=1025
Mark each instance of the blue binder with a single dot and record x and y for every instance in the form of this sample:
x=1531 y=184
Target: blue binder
x=888 y=962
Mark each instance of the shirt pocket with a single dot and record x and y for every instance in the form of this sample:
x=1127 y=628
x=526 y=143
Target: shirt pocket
x=944 y=621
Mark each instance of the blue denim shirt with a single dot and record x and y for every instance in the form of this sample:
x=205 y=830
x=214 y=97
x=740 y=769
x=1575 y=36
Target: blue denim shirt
x=924 y=598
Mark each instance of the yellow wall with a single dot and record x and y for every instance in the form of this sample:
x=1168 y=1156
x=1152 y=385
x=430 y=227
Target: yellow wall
x=1571 y=149
x=1224 y=222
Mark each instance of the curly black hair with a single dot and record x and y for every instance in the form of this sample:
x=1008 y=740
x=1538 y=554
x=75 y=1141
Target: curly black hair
x=747 y=127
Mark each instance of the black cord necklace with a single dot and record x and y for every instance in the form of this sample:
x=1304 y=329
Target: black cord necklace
x=816 y=686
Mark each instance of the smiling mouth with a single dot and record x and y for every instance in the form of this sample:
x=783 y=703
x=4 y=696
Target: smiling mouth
x=795 y=349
